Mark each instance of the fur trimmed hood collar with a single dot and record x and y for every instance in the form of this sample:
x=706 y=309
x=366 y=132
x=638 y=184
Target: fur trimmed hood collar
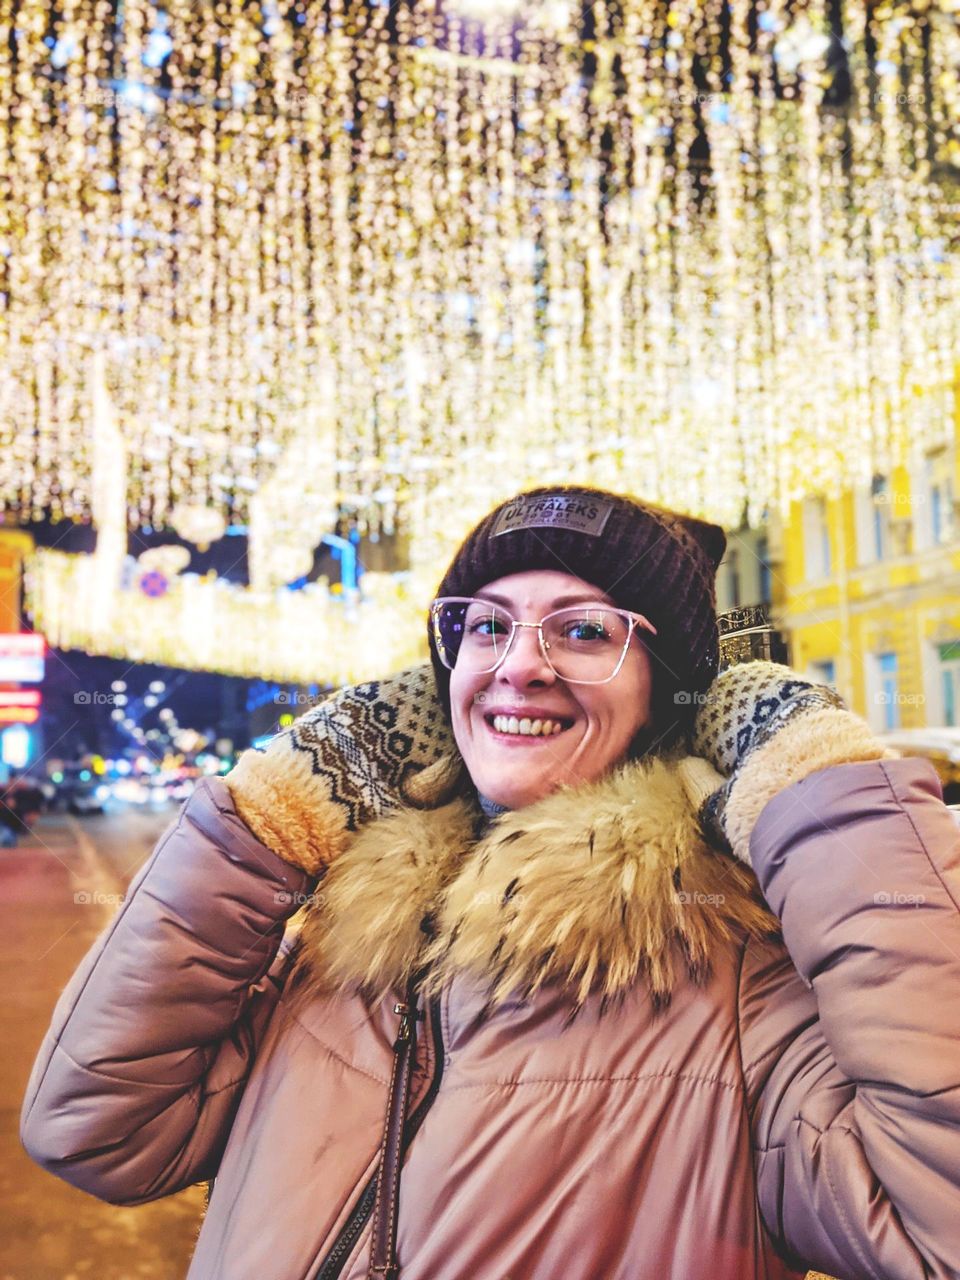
x=592 y=889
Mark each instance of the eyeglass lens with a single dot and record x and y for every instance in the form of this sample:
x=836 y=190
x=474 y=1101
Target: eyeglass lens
x=584 y=642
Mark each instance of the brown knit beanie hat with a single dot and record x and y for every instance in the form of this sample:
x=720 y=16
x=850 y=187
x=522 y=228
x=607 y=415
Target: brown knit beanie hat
x=646 y=558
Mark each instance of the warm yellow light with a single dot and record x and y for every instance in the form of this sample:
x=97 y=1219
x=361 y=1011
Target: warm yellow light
x=485 y=9
x=394 y=260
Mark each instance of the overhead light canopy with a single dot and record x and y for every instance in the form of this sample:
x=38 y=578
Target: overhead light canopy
x=393 y=260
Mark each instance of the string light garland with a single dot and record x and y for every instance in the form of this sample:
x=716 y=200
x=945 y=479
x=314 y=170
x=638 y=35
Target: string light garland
x=148 y=609
x=441 y=251
x=208 y=624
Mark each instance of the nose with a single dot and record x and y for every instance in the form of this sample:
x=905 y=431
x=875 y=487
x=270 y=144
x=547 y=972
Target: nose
x=525 y=664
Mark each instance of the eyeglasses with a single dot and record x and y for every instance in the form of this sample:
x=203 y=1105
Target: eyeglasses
x=584 y=644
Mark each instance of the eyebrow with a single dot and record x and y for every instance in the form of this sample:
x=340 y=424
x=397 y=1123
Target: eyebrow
x=559 y=602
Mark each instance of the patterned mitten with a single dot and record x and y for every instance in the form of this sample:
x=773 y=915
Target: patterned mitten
x=764 y=727
x=344 y=763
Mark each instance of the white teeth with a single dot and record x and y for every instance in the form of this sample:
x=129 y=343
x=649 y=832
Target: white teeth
x=527 y=727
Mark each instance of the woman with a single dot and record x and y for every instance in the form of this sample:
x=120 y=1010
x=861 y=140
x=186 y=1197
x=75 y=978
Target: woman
x=534 y=1025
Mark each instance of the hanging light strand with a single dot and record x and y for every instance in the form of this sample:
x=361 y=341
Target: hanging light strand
x=654 y=245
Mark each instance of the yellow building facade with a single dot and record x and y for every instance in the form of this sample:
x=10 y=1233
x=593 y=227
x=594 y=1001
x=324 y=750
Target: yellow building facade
x=867 y=593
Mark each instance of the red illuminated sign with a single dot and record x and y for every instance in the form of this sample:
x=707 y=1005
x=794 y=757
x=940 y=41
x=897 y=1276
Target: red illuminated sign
x=20 y=697
x=21 y=658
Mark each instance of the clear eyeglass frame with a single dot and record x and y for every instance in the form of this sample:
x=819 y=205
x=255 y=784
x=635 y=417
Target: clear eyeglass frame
x=636 y=622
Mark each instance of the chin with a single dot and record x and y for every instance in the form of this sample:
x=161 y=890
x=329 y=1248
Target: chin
x=518 y=796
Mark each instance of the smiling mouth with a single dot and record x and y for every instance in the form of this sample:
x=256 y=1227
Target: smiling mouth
x=526 y=727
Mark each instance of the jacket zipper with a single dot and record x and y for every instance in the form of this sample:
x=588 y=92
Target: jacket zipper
x=336 y=1259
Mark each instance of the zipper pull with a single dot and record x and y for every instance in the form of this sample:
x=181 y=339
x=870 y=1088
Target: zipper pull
x=403 y=1031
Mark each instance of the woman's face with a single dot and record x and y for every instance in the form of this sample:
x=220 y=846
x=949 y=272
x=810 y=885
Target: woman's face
x=598 y=721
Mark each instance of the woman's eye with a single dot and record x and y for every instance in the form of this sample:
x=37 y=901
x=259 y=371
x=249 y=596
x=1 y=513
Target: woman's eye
x=485 y=627
x=586 y=631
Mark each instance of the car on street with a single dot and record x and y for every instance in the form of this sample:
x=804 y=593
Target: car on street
x=22 y=799
x=81 y=792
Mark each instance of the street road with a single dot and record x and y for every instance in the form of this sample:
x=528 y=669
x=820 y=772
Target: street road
x=58 y=889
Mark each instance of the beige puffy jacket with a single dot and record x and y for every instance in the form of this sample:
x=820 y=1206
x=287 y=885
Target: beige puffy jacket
x=625 y=1071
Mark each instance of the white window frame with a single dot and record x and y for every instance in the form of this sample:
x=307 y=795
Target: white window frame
x=924 y=483
x=951 y=667
x=817 y=552
x=883 y=713
x=872 y=521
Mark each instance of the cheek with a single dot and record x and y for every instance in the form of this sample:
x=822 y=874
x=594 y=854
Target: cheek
x=624 y=707
x=463 y=694
x=636 y=708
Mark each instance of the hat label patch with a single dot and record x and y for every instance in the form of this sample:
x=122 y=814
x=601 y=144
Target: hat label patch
x=554 y=511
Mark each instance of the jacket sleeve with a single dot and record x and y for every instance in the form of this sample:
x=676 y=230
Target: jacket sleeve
x=137 y=1081
x=851 y=1052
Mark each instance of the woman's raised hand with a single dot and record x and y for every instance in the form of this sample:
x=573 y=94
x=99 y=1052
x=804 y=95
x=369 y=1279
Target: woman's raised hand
x=344 y=763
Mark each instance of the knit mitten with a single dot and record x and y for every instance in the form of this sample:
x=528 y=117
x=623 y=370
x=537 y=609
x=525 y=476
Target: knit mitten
x=344 y=763
x=765 y=727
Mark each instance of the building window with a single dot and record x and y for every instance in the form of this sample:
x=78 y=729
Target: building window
x=733 y=578
x=887 y=690
x=950 y=681
x=816 y=539
x=764 y=571
x=880 y=495
x=872 y=511
x=823 y=671
x=939 y=484
x=729 y=581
